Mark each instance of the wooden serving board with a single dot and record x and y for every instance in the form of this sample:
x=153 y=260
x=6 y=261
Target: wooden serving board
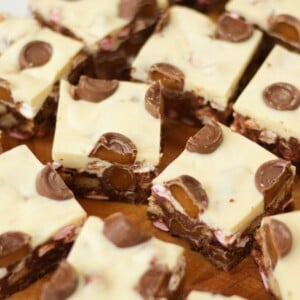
x=244 y=280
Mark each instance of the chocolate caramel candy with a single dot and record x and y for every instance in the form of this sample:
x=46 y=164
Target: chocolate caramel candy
x=189 y=193
x=62 y=284
x=282 y=96
x=278 y=240
x=95 y=90
x=120 y=231
x=129 y=9
x=154 y=101
x=115 y=148
x=233 y=28
x=35 y=54
x=169 y=76
x=207 y=139
x=49 y=184
x=14 y=245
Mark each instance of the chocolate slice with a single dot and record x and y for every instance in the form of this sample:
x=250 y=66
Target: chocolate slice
x=282 y=96
x=120 y=231
x=129 y=9
x=169 y=76
x=189 y=193
x=50 y=185
x=35 y=54
x=233 y=28
x=154 y=101
x=278 y=239
x=95 y=90
x=14 y=245
x=115 y=148
x=206 y=140
x=62 y=284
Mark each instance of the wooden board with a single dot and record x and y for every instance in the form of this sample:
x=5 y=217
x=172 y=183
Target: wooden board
x=244 y=280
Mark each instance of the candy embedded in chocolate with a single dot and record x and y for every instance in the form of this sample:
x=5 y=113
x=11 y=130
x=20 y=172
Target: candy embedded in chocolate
x=129 y=9
x=189 y=193
x=95 y=90
x=62 y=284
x=5 y=91
x=282 y=96
x=154 y=101
x=14 y=245
x=115 y=148
x=169 y=76
x=120 y=231
x=233 y=28
x=278 y=240
x=35 y=54
x=49 y=184
x=207 y=139
x=285 y=26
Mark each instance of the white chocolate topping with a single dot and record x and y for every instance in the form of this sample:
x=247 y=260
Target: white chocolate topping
x=280 y=66
x=108 y=272
x=80 y=124
x=287 y=272
x=228 y=177
x=22 y=208
x=198 y=295
x=187 y=42
x=32 y=85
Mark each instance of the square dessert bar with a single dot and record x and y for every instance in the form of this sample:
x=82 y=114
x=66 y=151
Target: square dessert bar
x=278 y=254
x=112 y=31
x=268 y=110
x=192 y=57
x=39 y=220
x=280 y=19
x=107 y=138
x=216 y=191
x=123 y=264
x=198 y=295
x=29 y=69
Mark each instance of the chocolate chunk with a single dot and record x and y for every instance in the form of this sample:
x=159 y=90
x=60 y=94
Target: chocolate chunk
x=50 y=185
x=115 y=148
x=14 y=245
x=154 y=283
x=169 y=76
x=189 y=193
x=233 y=28
x=62 y=284
x=120 y=231
x=35 y=54
x=129 y=9
x=278 y=239
x=78 y=66
x=154 y=101
x=282 y=96
x=95 y=90
x=207 y=139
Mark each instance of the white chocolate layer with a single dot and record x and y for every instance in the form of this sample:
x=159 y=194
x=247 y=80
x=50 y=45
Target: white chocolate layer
x=280 y=66
x=32 y=85
x=81 y=123
x=22 y=208
x=187 y=42
x=99 y=275
x=227 y=173
x=198 y=295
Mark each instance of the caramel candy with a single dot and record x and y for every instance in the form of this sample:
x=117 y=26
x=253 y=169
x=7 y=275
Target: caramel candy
x=129 y=9
x=120 y=231
x=233 y=28
x=206 y=140
x=189 y=193
x=154 y=101
x=115 y=148
x=95 y=90
x=169 y=76
x=62 y=284
x=14 y=245
x=50 y=185
x=35 y=54
x=278 y=239
x=282 y=96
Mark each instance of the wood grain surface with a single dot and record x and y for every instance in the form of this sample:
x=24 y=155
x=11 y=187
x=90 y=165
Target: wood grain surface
x=243 y=280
